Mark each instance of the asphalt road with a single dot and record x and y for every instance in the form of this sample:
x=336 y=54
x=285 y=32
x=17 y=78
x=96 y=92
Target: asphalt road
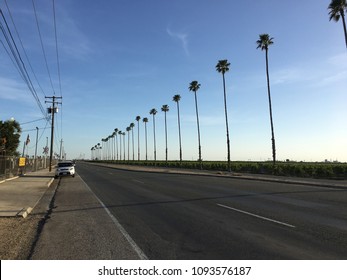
x=198 y=217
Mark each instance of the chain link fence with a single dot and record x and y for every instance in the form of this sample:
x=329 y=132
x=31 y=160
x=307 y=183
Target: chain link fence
x=9 y=166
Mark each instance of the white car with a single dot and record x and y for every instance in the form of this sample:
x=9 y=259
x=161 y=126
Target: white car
x=65 y=168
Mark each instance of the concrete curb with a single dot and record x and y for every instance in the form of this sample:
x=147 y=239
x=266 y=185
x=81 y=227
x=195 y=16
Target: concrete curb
x=25 y=213
x=9 y=179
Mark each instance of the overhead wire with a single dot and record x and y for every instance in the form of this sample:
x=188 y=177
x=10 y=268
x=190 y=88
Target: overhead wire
x=15 y=56
x=19 y=62
x=22 y=45
x=42 y=47
x=58 y=66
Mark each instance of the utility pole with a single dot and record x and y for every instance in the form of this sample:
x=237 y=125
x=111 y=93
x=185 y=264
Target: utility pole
x=37 y=136
x=52 y=110
x=61 y=145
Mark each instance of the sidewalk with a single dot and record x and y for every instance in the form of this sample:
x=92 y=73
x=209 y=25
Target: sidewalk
x=20 y=195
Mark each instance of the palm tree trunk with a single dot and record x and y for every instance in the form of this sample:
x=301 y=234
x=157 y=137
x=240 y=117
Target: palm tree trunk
x=117 y=146
x=138 y=140
x=155 y=145
x=344 y=25
x=128 y=145
x=270 y=108
x=146 y=140
x=165 y=140
x=226 y=123
x=132 y=135
x=124 y=145
x=179 y=130
x=197 y=121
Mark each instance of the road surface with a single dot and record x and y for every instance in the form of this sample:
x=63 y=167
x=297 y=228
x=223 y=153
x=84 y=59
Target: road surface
x=199 y=217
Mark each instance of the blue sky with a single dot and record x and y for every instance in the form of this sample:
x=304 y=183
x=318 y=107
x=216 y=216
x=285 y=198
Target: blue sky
x=119 y=59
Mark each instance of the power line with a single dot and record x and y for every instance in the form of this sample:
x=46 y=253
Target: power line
x=21 y=43
x=43 y=49
x=19 y=62
x=56 y=47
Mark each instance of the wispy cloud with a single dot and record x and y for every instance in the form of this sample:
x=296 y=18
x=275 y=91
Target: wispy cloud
x=182 y=37
x=12 y=90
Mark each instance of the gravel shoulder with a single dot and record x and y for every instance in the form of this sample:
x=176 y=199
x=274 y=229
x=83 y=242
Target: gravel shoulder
x=17 y=237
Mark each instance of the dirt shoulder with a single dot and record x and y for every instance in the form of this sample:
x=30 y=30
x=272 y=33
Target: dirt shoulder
x=17 y=237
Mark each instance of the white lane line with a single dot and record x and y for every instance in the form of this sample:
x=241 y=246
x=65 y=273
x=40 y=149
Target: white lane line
x=131 y=241
x=255 y=215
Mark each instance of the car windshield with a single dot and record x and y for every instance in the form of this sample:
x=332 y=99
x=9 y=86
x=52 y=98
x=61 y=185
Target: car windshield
x=64 y=164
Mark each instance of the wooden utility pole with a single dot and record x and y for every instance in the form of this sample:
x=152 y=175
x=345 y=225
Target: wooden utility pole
x=52 y=110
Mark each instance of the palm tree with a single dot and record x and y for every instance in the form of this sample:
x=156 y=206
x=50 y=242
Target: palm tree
x=128 y=130
x=176 y=99
x=113 y=146
x=120 y=144
x=123 y=145
x=337 y=9
x=153 y=112
x=264 y=42
x=194 y=86
x=165 y=109
x=145 y=120
x=132 y=125
x=116 y=132
x=223 y=67
x=138 y=118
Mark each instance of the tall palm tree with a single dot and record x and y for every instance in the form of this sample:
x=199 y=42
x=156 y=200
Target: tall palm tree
x=337 y=9
x=128 y=130
x=113 y=146
x=145 y=120
x=223 y=67
x=153 y=112
x=194 y=86
x=165 y=109
x=138 y=118
x=177 y=99
x=132 y=125
x=120 y=144
x=123 y=145
x=263 y=43
x=116 y=132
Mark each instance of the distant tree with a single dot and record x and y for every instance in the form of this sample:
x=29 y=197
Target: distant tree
x=113 y=146
x=195 y=86
x=120 y=144
x=145 y=120
x=128 y=130
x=123 y=145
x=223 y=67
x=177 y=99
x=116 y=134
x=132 y=125
x=153 y=112
x=10 y=131
x=337 y=9
x=263 y=43
x=165 y=109
x=138 y=118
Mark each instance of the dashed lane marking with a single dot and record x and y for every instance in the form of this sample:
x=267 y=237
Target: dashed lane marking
x=255 y=215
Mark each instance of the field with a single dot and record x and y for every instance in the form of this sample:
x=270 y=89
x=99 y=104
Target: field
x=322 y=170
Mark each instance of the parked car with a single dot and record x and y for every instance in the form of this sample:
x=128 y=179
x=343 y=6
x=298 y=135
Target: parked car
x=65 y=168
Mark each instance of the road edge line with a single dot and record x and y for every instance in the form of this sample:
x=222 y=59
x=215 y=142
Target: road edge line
x=131 y=241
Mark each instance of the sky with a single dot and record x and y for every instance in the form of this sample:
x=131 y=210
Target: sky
x=111 y=61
